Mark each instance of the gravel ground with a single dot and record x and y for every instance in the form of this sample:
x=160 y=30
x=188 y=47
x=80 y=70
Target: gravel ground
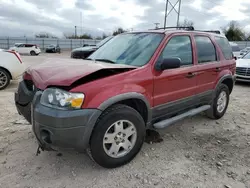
x=196 y=152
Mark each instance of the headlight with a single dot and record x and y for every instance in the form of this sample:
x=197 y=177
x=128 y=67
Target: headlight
x=57 y=98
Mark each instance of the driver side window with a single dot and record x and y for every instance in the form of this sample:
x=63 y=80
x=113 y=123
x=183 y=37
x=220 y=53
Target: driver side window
x=179 y=47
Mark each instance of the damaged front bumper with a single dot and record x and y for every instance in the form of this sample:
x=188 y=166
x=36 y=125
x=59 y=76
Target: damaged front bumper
x=54 y=128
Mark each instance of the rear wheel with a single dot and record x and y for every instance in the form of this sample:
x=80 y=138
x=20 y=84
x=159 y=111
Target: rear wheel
x=220 y=103
x=117 y=137
x=32 y=53
x=4 y=79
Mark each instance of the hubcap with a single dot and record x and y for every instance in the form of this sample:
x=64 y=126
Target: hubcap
x=119 y=139
x=3 y=79
x=222 y=102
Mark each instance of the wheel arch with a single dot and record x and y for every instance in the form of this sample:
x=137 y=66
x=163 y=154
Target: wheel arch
x=7 y=71
x=227 y=80
x=134 y=100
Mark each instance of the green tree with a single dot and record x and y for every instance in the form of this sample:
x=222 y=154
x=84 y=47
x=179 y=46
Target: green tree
x=118 y=31
x=72 y=36
x=186 y=23
x=85 y=36
x=234 y=32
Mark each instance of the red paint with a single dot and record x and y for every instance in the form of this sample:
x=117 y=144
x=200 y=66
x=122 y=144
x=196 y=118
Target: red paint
x=157 y=87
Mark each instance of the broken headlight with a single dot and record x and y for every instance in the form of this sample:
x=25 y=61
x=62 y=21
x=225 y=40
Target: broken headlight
x=57 y=98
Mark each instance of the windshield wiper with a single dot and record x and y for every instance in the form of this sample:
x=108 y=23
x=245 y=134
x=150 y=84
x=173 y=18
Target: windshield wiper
x=105 y=60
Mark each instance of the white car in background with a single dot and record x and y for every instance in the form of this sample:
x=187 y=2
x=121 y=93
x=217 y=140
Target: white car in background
x=243 y=68
x=236 y=49
x=23 y=48
x=245 y=51
x=11 y=67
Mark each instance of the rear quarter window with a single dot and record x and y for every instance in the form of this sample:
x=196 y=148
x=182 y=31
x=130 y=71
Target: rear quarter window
x=225 y=47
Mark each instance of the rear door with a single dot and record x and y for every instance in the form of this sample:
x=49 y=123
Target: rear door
x=28 y=48
x=208 y=64
x=174 y=89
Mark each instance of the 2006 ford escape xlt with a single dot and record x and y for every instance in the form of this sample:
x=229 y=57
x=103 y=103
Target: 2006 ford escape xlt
x=136 y=81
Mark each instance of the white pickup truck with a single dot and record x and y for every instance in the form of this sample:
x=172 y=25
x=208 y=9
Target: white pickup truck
x=11 y=67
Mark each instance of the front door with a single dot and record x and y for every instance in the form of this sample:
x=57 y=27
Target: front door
x=175 y=89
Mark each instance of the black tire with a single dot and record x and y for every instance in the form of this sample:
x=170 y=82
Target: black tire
x=32 y=53
x=7 y=75
x=110 y=116
x=213 y=113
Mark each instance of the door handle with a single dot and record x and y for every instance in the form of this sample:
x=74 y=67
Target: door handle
x=190 y=75
x=217 y=69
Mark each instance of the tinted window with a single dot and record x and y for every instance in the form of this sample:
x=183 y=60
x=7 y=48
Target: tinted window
x=179 y=47
x=28 y=45
x=206 y=50
x=225 y=47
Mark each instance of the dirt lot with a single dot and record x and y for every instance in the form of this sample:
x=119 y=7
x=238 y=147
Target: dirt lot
x=196 y=152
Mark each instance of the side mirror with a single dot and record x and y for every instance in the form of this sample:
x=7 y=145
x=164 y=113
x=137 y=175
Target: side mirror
x=235 y=58
x=169 y=63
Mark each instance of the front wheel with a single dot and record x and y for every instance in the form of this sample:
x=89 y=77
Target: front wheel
x=117 y=137
x=220 y=102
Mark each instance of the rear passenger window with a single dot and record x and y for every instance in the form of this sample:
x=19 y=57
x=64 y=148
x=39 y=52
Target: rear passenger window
x=28 y=45
x=206 y=50
x=225 y=47
x=179 y=47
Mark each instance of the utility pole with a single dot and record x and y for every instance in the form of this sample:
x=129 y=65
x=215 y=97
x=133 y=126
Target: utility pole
x=179 y=11
x=165 y=17
x=81 y=21
x=75 y=32
x=156 y=25
x=168 y=2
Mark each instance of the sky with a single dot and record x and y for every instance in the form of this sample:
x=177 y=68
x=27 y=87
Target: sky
x=59 y=17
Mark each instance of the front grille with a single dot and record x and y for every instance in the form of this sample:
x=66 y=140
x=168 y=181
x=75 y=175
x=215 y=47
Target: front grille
x=243 y=71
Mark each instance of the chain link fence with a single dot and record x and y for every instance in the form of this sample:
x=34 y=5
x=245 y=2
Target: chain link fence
x=67 y=44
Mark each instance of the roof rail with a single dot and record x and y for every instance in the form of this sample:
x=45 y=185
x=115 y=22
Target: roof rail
x=210 y=31
x=190 y=28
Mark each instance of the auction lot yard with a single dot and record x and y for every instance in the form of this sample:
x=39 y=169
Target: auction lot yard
x=196 y=152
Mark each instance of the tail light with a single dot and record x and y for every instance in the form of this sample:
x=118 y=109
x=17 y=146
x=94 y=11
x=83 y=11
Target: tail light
x=16 y=54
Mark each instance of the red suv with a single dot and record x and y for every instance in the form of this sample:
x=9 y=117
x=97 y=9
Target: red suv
x=136 y=81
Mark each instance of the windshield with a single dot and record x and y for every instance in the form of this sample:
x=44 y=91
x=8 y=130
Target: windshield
x=247 y=56
x=134 y=49
x=104 y=41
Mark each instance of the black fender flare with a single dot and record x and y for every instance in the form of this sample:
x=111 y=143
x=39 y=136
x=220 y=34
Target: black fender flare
x=131 y=95
x=227 y=76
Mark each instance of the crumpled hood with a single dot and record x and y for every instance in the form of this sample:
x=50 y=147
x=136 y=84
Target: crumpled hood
x=64 y=72
x=243 y=63
x=86 y=48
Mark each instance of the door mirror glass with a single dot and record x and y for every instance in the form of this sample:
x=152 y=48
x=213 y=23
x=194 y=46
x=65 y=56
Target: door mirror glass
x=169 y=63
